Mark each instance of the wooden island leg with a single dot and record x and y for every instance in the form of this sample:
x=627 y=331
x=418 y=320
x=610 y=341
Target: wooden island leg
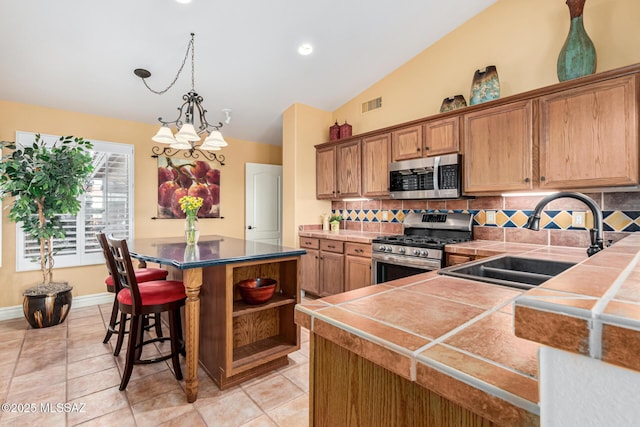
x=192 y=282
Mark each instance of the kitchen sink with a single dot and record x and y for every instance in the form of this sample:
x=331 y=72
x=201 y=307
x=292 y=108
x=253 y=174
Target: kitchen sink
x=516 y=272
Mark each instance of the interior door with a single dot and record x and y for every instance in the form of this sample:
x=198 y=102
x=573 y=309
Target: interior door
x=263 y=192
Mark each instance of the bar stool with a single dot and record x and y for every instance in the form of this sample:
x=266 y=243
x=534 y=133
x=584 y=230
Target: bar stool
x=140 y=299
x=142 y=275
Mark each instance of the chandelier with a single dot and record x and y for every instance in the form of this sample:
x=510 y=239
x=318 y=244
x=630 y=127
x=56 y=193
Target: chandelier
x=188 y=134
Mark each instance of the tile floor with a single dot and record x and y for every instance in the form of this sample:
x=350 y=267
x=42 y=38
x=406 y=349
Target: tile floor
x=41 y=368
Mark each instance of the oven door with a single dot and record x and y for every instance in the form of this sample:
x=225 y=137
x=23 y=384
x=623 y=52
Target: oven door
x=387 y=267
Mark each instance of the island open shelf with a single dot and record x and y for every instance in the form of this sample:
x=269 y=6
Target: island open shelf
x=240 y=341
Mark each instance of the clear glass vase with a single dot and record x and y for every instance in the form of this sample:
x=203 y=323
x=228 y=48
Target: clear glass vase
x=191 y=230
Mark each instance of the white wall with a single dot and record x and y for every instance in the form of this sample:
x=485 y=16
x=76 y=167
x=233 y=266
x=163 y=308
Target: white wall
x=580 y=391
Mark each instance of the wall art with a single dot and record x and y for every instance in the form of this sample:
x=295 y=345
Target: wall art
x=187 y=177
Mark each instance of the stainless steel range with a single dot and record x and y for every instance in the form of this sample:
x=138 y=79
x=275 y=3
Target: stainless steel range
x=421 y=247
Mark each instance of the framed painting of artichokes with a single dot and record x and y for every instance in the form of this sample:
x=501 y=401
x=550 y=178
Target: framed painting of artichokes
x=187 y=177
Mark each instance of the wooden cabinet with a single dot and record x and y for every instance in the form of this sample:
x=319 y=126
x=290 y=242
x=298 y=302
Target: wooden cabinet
x=322 y=271
x=338 y=171
x=441 y=136
x=310 y=265
x=497 y=147
x=376 y=152
x=240 y=341
x=331 y=266
x=589 y=135
x=326 y=172
x=406 y=143
x=357 y=265
x=349 y=175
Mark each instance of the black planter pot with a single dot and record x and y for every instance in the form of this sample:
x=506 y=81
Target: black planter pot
x=46 y=306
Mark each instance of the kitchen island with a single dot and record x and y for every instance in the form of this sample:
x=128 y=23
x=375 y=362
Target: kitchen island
x=233 y=341
x=424 y=350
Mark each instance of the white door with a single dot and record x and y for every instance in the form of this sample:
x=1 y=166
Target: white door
x=263 y=218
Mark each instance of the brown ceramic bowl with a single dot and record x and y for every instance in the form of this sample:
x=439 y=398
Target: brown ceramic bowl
x=258 y=290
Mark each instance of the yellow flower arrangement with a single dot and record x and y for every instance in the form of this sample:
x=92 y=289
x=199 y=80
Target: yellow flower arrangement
x=190 y=205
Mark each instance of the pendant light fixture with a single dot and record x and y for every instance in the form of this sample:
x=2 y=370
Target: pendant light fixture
x=191 y=122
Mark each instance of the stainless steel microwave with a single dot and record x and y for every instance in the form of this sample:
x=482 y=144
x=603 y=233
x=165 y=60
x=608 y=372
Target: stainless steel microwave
x=437 y=177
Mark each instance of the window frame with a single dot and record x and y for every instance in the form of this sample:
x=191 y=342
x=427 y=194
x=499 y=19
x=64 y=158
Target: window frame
x=80 y=258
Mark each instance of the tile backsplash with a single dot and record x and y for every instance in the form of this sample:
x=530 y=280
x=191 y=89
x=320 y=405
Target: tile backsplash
x=621 y=214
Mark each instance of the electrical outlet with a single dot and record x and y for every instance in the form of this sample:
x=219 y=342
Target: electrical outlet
x=490 y=217
x=385 y=215
x=578 y=219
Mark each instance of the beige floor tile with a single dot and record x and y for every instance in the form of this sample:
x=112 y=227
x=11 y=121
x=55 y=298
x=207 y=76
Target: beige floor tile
x=292 y=414
x=261 y=421
x=90 y=365
x=43 y=395
x=151 y=386
x=98 y=404
x=231 y=409
x=273 y=392
x=161 y=408
x=92 y=383
x=121 y=418
x=87 y=351
x=37 y=380
x=190 y=419
x=37 y=418
x=299 y=375
x=41 y=361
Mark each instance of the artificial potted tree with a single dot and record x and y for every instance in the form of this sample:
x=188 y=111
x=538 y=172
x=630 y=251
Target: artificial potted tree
x=45 y=181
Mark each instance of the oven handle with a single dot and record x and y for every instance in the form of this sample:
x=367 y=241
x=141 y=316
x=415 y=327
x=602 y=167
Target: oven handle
x=404 y=261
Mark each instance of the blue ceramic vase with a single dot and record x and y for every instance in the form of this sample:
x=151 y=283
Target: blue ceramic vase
x=578 y=55
x=485 y=86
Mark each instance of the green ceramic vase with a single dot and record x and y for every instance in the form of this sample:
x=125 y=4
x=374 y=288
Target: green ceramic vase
x=578 y=55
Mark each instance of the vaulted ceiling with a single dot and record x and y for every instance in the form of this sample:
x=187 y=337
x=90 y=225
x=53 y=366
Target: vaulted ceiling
x=79 y=55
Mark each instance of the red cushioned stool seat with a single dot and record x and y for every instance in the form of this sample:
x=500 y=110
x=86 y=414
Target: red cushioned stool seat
x=155 y=293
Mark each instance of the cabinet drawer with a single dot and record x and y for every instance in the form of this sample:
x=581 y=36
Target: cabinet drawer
x=309 y=243
x=357 y=249
x=455 y=259
x=332 y=246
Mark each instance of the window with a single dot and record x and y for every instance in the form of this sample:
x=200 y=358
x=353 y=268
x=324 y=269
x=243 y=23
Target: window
x=107 y=205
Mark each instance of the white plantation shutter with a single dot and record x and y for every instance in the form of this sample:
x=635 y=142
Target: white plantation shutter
x=107 y=204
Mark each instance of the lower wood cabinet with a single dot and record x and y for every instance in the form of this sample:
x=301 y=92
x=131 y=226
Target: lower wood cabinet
x=332 y=266
x=357 y=266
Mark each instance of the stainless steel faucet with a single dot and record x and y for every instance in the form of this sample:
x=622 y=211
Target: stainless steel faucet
x=596 y=232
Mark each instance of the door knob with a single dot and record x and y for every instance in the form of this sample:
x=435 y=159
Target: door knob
x=251 y=228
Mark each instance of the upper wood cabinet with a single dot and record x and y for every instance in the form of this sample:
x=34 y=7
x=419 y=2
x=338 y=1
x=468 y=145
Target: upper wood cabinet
x=376 y=155
x=338 y=171
x=441 y=136
x=497 y=147
x=348 y=172
x=326 y=172
x=589 y=135
x=406 y=143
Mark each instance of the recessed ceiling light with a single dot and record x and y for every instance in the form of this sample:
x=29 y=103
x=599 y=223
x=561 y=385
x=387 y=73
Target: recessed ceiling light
x=184 y=1
x=305 y=49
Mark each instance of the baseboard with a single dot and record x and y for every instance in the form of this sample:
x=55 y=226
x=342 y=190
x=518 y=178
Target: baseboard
x=15 y=311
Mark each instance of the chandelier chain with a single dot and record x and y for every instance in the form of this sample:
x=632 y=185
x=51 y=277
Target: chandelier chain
x=190 y=47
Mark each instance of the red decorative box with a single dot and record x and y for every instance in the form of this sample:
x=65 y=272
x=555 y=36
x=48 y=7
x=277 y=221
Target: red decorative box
x=334 y=132
x=345 y=130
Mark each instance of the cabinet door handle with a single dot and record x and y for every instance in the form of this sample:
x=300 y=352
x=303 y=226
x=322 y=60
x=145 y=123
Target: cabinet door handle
x=426 y=148
x=418 y=148
x=542 y=178
x=358 y=251
x=316 y=256
x=331 y=246
x=526 y=179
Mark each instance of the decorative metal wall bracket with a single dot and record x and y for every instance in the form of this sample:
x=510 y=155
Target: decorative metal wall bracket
x=191 y=153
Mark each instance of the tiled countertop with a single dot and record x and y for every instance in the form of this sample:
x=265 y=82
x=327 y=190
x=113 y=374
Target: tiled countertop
x=344 y=235
x=456 y=337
